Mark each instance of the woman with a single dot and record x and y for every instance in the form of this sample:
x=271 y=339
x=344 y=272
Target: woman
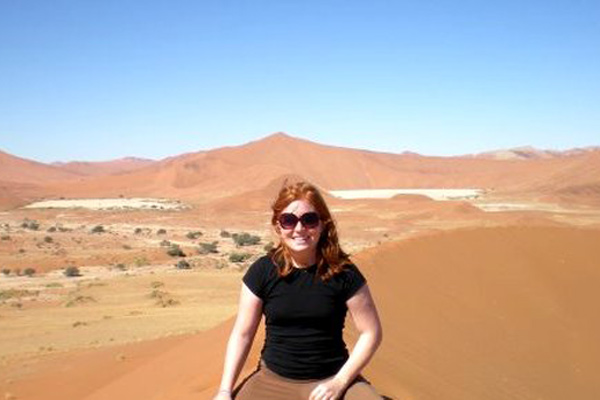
x=304 y=286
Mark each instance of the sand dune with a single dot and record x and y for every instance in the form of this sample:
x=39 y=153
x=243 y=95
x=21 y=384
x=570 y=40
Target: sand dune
x=21 y=170
x=485 y=313
x=229 y=171
x=503 y=313
x=104 y=167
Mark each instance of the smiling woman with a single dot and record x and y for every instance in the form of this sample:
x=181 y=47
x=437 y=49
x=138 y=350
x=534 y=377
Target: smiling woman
x=304 y=286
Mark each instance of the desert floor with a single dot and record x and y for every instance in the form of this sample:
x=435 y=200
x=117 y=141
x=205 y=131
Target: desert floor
x=130 y=291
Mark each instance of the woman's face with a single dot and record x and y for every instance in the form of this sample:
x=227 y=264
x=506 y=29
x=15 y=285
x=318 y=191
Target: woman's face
x=300 y=239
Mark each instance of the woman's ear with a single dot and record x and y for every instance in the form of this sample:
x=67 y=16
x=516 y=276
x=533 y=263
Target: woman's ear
x=277 y=229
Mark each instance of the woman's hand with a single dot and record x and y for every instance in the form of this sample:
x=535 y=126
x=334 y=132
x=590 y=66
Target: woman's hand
x=222 y=395
x=331 y=389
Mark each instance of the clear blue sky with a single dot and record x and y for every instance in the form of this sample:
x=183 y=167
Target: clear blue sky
x=98 y=80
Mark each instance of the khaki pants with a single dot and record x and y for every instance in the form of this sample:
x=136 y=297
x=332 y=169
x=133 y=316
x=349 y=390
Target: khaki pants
x=264 y=384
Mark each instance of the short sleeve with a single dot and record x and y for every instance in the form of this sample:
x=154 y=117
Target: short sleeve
x=255 y=277
x=353 y=280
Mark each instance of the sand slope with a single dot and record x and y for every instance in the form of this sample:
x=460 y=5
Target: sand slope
x=486 y=313
x=503 y=313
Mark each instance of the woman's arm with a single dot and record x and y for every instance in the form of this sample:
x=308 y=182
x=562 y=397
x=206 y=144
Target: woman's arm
x=364 y=313
x=240 y=340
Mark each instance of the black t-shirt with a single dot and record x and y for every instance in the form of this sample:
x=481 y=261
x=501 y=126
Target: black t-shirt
x=304 y=318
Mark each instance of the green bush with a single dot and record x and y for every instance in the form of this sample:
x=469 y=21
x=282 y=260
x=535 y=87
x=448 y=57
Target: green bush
x=175 y=251
x=225 y=234
x=183 y=264
x=239 y=257
x=141 y=262
x=30 y=224
x=98 y=229
x=72 y=272
x=245 y=239
x=193 y=235
x=206 y=248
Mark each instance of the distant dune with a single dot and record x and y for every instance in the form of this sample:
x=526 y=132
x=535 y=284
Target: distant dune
x=486 y=313
x=20 y=170
x=104 y=167
x=229 y=171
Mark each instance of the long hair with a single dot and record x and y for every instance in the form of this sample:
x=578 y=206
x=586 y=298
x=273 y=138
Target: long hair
x=330 y=256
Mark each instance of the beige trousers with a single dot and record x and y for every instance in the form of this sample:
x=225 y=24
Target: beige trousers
x=264 y=384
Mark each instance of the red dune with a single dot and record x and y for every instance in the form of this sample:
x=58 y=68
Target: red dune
x=104 y=167
x=482 y=313
x=20 y=170
x=229 y=171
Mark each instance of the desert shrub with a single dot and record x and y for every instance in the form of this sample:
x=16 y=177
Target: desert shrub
x=175 y=251
x=30 y=224
x=193 y=235
x=239 y=257
x=98 y=229
x=156 y=284
x=71 y=272
x=155 y=294
x=163 y=298
x=21 y=251
x=165 y=243
x=54 y=285
x=141 y=262
x=206 y=248
x=121 y=267
x=17 y=294
x=51 y=229
x=6 y=271
x=5 y=237
x=183 y=264
x=137 y=231
x=79 y=299
x=62 y=229
x=29 y=271
x=161 y=232
x=126 y=247
x=268 y=247
x=225 y=234
x=245 y=239
x=48 y=239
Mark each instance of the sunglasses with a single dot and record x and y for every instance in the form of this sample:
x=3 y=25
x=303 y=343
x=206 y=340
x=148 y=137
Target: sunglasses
x=308 y=220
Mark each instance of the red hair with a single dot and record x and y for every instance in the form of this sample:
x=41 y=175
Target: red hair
x=330 y=256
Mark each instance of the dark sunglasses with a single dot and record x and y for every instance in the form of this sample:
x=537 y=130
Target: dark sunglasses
x=309 y=220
